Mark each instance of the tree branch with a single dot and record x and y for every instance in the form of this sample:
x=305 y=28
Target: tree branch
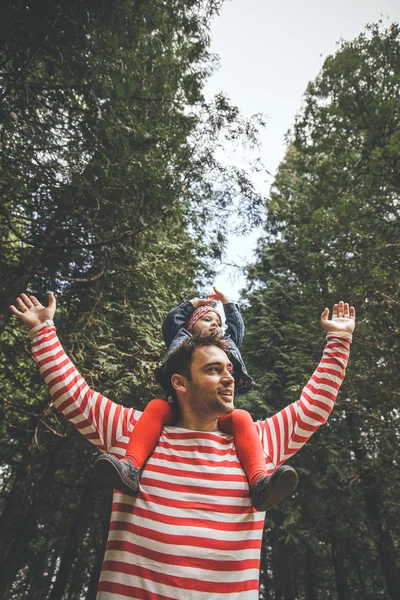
x=55 y=275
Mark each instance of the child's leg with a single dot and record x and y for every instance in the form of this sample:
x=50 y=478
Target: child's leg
x=148 y=429
x=124 y=475
x=248 y=445
x=266 y=491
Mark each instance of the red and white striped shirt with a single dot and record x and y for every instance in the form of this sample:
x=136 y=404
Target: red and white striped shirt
x=191 y=533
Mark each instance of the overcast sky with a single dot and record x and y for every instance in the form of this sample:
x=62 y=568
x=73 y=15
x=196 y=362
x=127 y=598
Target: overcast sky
x=268 y=53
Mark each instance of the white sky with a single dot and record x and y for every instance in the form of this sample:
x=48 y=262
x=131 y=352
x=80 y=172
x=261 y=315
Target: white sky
x=268 y=52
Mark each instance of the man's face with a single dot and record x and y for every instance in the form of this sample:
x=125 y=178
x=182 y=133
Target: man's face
x=210 y=322
x=211 y=387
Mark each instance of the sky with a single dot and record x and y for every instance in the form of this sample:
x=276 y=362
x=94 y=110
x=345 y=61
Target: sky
x=268 y=52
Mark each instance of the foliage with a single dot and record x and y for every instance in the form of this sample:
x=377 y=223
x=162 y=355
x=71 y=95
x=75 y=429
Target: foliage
x=113 y=196
x=332 y=233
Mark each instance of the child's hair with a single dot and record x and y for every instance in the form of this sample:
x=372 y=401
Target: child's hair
x=180 y=359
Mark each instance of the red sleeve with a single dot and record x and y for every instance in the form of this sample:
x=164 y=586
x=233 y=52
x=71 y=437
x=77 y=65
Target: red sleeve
x=99 y=419
x=286 y=432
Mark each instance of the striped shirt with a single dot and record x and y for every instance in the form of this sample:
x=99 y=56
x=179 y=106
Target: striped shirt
x=191 y=533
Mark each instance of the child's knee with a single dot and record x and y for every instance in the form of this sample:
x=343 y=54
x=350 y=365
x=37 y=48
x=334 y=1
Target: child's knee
x=241 y=416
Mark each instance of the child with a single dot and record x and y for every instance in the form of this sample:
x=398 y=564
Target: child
x=188 y=318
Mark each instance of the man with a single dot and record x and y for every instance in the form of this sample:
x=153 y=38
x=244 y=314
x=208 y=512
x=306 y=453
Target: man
x=177 y=540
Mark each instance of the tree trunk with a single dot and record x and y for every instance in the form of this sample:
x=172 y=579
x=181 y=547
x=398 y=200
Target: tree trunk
x=18 y=520
x=18 y=551
x=310 y=590
x=283 y=586
x=76 y=532
x=15 y=507
x=385 y=546
x=342 y=586
x=101 y=547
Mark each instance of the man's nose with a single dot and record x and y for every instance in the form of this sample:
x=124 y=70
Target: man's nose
x=228 y=376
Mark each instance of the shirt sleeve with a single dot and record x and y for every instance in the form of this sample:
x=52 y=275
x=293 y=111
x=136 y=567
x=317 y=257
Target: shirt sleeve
x=286 y=432
x=234 y=323
x=175 y=321
x=96 y=417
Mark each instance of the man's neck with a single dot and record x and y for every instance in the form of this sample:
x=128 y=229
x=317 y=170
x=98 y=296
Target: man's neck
x=197 y=423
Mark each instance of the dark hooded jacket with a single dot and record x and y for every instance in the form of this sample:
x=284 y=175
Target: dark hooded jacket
x=174 y=333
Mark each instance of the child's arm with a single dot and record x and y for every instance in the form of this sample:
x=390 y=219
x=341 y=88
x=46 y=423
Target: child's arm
x=287 y=431
x=234 y=321
x=100 y=420
x=177 y=317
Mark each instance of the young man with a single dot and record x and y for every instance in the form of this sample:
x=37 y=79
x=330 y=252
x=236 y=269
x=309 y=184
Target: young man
x=191 y=533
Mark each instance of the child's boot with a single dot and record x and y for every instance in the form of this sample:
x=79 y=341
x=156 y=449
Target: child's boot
x=119 y=474
x=269 y=490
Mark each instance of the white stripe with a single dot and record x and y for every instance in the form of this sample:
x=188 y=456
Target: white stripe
x=316 y=410
x=179 y=571
x=166 y=590
x=194 y=530
x=174 y=549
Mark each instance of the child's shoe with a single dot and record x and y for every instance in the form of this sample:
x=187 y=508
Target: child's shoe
x=119 y=474
x=269 y=490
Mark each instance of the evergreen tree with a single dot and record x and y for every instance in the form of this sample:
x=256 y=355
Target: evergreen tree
x=112 y=195
x=331 y=234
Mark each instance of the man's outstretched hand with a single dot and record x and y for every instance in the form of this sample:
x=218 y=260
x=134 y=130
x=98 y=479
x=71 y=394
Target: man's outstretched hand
x=31 y=312
x=343 y=318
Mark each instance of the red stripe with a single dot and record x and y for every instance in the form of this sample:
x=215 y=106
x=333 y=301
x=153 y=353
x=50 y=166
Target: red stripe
x=130 y=591
x=158 y=516
x=192 y=505
x=186 y=540
x=192 y=489
x=201 y=435
x=197 y=448
x=185 y=583
x=197 y=462
x=205 y=564
x=150 y=467
x=333 y=372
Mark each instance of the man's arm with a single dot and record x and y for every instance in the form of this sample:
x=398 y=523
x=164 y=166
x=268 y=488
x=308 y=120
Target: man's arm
x=100 y=420
x=287 y=431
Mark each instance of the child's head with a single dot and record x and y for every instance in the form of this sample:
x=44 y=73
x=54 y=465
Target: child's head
x=206 y=319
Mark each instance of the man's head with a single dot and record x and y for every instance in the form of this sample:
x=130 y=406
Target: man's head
x=201 y=375
x=204 y=319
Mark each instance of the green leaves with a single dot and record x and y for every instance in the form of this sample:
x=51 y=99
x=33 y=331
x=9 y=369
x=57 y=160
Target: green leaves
x=331 y=234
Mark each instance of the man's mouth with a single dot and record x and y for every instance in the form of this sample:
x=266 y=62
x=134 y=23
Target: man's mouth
x=226 y=393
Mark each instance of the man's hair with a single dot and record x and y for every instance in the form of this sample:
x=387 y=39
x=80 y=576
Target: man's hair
x=180 y=359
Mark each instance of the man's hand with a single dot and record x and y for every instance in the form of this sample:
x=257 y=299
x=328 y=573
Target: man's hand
x=343 y=318
x=31 y=312
x=217 y=295
x=200 y=302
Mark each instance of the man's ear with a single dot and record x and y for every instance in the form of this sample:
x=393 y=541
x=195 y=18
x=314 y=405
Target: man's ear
x=179 y=383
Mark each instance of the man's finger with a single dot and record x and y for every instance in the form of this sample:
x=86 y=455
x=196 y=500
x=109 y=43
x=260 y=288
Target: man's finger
x=21 y=305
x=15 y=311
x=34 y=300
x=26 y=300
x=52 y=300
x=352 y=312
x=325 y=314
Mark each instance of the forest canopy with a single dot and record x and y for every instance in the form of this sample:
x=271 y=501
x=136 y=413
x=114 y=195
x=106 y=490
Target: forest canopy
x=113 y=195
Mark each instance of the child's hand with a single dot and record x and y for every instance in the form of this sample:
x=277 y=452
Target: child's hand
x=343 y=318
x=217 y=295
x=31 y=312
x=200 y=302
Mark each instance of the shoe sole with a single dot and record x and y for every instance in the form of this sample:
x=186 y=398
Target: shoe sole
x=107 y=474
x=284 y=481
